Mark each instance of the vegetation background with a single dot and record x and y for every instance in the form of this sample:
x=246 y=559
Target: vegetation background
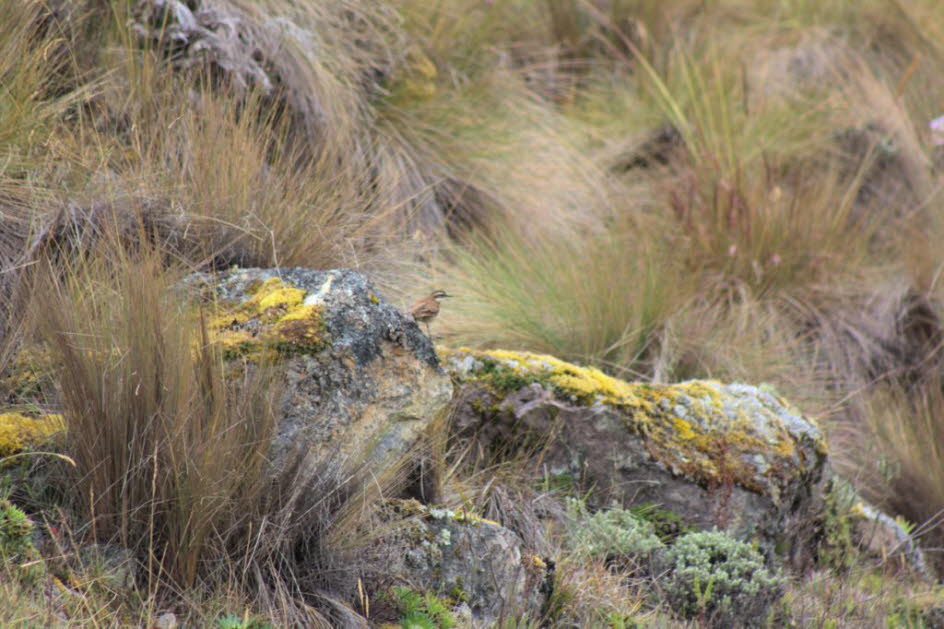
x=746 y=190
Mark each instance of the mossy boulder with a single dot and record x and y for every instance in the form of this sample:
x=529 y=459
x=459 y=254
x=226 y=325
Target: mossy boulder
x=361 y=380
x=474 y=567
x=730 y=456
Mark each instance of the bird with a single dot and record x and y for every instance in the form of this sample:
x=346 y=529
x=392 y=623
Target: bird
x=426 y=309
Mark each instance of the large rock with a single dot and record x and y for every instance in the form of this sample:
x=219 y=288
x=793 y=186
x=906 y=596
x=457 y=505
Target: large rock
x=362 y=381
x=731 y=456
x=475 y=566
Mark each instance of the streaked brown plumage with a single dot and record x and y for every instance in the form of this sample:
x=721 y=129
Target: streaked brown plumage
x=426 y=309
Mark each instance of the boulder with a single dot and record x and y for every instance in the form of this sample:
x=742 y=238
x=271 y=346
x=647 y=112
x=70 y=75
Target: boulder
x=884 y=539
x=362 y=382
x=476 y=566
x=730 y=456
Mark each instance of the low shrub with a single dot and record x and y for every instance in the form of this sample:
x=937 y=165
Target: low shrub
x=719 y=580
x=613 y=535
x=16 y=543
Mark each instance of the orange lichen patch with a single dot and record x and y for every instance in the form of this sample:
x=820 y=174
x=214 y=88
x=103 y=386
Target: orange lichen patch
x=19 y=432
x=274 y=321
x=707 y=431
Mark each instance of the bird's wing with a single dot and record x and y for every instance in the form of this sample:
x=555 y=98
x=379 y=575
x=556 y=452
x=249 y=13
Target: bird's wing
x=423 y=309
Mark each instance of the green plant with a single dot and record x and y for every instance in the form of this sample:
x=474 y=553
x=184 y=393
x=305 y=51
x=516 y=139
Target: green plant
x=609 y=534
x=422 y=610
x=666 y=524
x=836 y=548
x=17 y=553
x=720 y=580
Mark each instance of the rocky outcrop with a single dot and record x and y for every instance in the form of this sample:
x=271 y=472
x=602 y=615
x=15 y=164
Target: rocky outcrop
x=475 y=566
x=361 y=381
x=735 y=457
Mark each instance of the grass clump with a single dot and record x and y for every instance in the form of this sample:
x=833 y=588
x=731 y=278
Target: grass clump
x=171 y=448
x=719 y=580
x=169 y=454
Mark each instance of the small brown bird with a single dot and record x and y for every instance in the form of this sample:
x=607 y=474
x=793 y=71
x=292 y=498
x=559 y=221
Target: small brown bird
x=426 y=309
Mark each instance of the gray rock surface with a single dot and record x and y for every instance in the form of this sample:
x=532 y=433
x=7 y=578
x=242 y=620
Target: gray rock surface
x=362 y=381
x=884 y=539
x=475 y=564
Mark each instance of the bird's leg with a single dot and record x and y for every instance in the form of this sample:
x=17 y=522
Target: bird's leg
x=426 y=323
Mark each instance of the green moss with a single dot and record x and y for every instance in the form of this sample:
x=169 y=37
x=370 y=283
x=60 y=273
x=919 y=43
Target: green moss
x=458 y=594
x=422 y=609
x=694 y=428
x=666 y=524
x=836 y=548
x=272 y=323
x=28 y=375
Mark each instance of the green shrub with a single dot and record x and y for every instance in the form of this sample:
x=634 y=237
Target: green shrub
x=16 y=544
x=719 y=580
x=422 y=611
x=609 y=534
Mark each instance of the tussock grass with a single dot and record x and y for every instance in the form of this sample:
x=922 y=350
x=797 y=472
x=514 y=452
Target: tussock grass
x=172 y=447
x=170 y=455
x=597 y=297
x=906 y=430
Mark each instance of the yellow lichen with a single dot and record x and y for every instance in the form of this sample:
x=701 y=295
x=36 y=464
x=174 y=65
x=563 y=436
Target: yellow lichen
x=19 y=432
x=692 y=427
x=274 y=320
x=581 y=382
x=274 y=293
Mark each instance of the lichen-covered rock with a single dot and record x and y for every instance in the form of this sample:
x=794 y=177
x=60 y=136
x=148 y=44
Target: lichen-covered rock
x=473 y=564
x=883 y=538
x=735 y=457
x=362 y=381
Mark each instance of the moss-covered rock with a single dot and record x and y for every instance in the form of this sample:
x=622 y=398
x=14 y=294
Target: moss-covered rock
x=469 y=566
x=732 y=456
x=361 y=381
